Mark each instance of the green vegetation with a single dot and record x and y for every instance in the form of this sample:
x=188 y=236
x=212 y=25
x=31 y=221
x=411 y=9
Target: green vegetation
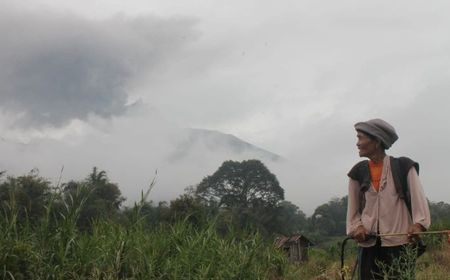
x=113 y=251
x=221 y=229
x=60 y=247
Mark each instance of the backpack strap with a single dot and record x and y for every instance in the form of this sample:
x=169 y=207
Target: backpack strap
x=360 y=172
x=400 y=168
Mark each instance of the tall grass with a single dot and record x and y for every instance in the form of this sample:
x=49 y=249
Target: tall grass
x=323 y=263
x=56 y=249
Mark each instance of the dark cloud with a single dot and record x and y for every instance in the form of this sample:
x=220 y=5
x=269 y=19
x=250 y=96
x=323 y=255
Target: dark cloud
x=58 y=68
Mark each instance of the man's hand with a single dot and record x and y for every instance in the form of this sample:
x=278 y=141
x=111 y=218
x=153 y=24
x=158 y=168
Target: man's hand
x=360 y=234
x=412 y=229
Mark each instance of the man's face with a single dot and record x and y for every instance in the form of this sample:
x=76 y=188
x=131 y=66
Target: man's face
x=366 y=145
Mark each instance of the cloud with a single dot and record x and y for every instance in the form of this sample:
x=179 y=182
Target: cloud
x=57 y=68
x=130 y=154
x=292 y=79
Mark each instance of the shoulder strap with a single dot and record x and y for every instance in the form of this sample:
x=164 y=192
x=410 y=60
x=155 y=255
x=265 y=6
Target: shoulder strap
x=400 y=168
x=360 y=172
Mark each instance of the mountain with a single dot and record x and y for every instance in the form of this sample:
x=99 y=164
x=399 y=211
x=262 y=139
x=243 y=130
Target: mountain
x=211 y=141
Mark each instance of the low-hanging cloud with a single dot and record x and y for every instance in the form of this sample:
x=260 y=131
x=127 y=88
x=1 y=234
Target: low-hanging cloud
x=292 y=79
x=56 y=68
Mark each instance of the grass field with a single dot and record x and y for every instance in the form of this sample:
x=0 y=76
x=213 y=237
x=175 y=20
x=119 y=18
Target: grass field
x=324 y=263
x=54 y=248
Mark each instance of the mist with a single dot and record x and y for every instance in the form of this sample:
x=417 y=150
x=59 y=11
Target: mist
x=122 y=86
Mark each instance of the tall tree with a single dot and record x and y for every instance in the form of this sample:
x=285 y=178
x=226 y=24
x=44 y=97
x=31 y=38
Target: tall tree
x=103 y=197
x=330 y=218
x=27 y=195
x=187 y=207
x=440 y=212
x=243 y=184
x=289 y=219
x=246 y=194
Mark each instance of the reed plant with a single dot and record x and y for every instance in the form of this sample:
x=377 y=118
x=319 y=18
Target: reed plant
x=55 y=248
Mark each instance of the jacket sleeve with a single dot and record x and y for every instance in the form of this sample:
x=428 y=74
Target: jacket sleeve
x=419 y=204
x=353 y=216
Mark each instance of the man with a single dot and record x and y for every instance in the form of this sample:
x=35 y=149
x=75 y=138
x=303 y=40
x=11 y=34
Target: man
x=385 y=196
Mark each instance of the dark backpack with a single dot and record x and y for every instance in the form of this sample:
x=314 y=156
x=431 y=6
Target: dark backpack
x=399 y=167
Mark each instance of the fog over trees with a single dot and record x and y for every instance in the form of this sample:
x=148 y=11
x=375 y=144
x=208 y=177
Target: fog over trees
x=242 y=195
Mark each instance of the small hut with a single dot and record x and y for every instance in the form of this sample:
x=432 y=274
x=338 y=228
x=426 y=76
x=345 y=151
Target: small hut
x=295 y=246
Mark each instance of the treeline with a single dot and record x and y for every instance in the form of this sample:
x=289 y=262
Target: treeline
x=240 y=195
x=77 y=230
x=222 y=228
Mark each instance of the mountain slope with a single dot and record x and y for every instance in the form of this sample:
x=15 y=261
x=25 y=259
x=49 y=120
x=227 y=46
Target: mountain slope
x=218 y=142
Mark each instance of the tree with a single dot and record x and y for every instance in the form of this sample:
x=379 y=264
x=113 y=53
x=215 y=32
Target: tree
x=103 y=197
x=97 y=178
x=289 y=219
x=245 y=193
x=27 y=195
x=245 y=184
x=440 y=212
x=187 y=207
x=330 y=218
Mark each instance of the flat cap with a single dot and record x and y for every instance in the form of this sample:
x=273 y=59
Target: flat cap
x=380 y=129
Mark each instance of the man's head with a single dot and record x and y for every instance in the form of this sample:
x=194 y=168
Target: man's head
x=374 y=136
x=379 y=129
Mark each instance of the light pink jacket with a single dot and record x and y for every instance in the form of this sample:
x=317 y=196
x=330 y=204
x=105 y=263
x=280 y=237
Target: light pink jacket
x=385 y=210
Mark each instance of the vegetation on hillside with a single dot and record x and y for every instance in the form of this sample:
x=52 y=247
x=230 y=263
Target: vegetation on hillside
x=223 y=228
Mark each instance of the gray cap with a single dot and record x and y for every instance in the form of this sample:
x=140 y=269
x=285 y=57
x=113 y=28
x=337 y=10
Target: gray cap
x=380 y=129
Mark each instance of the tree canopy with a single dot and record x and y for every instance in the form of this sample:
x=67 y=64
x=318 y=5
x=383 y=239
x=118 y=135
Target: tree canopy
x=243 y=184
x=246 y=193
x=330 y=218
x=25 y=194
x=103 y=198
x=239 y=195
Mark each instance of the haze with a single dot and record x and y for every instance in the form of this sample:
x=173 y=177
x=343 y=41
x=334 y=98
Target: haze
x=121 y=84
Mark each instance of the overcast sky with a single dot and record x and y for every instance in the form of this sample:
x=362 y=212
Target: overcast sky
x=116 y=83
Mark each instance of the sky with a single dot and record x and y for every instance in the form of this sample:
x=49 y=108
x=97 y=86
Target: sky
x=117 y=84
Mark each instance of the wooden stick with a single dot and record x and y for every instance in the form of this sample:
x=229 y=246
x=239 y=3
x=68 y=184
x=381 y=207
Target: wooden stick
x=422 y=232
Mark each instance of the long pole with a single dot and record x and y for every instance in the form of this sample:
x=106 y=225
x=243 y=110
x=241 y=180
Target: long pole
x=414 y=233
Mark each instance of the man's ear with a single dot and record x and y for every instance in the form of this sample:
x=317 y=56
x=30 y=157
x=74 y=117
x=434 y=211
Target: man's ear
x=379 y=144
